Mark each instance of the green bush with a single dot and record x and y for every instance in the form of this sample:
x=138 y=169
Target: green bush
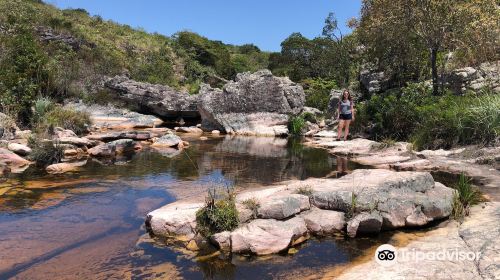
x=218 y=214
x=431 y=122
x=76 y=121
x=318 y=92
x=296 y=124
x=44 y=153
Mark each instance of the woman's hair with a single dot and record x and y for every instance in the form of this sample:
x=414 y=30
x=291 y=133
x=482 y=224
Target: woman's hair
x=348 y=94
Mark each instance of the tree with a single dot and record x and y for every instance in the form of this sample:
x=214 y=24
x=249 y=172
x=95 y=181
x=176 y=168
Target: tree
x=398 y=32
x=436 y=22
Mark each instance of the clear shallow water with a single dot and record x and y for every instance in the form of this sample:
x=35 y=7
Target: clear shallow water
x=90 y=224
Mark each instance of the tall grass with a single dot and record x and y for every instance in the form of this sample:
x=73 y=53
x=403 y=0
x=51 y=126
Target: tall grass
x=465 y=196
x=296 y=124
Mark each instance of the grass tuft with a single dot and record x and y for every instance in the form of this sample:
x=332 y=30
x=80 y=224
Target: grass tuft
x=465 y=196
x=219 y=212
x=253 y=205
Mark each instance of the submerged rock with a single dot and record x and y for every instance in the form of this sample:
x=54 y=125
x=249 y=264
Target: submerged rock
x=168 y=140
x=114 y=148
x=64 y=167
x=254 y=104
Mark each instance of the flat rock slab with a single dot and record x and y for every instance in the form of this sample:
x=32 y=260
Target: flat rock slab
x=479 y=233
x=19 y=149
x=267 y=236
x=115 y=135
x=326 y=134
x=64 y=167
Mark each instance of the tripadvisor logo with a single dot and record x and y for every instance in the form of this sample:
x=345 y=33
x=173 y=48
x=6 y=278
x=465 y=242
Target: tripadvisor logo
x=385 y=255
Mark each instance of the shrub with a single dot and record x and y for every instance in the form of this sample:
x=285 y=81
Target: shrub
x=431 y=122
x=74 y=120
x=465 y=196
x=45 y=152
x=41 y=107
x=296 y=124
x=218 y=214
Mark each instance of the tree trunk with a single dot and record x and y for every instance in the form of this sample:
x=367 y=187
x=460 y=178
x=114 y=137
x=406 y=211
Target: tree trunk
x=435 y=79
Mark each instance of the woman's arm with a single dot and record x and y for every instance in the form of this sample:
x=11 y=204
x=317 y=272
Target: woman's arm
x=352 y=110
x=338 y=111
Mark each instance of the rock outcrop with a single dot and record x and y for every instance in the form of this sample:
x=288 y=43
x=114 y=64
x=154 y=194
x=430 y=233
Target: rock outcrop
x=109 y=117
x=160 y=100
x=254 y=104
x=477 y=234
x=372 y=81
x=375 y=199
x=486 y=75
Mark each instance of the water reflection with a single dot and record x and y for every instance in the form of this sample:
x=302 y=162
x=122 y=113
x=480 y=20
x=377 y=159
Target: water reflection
x=90 y=224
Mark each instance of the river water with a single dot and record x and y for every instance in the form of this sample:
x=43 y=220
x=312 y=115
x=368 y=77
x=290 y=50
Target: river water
x=90 y=224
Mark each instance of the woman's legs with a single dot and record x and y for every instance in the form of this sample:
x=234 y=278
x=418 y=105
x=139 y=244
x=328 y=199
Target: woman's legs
x=339 y=132
x=346 y=132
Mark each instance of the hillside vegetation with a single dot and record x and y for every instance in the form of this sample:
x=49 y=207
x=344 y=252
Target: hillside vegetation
x=64 y=53
x=52 y=54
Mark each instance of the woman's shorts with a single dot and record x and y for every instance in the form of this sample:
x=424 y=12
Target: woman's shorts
x=345 y=116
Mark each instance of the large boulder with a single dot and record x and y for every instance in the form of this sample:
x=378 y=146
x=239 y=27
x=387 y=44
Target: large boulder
x=160 y=100
x=254 y=104
x=177 y=219
x=267 y=236
x=324 y=222
x=403 y=199
x=333 y=103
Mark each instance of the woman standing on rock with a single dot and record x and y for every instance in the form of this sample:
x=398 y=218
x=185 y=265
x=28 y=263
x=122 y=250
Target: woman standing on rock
x=345 y=114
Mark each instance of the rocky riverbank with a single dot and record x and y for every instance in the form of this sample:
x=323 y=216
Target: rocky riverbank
x=363 y=202
x=479 y=233
x=479 y=163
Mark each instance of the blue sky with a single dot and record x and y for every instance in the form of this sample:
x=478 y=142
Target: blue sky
x=265 y=23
